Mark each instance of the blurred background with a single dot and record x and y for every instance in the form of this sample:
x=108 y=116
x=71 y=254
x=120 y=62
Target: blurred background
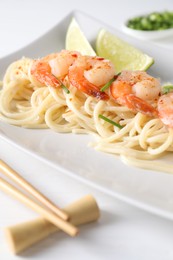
x=18 y=17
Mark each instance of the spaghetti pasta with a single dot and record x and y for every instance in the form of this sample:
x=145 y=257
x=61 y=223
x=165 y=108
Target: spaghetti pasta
x=27 y=103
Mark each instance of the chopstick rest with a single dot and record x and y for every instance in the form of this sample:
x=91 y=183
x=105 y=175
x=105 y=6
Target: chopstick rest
x=46 y=213
x=9 y=172
x=22 y=236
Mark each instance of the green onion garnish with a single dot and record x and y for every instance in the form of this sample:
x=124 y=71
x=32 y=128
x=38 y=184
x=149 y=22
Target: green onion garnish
x=110 y=121
x=152 y=21
x=107 y=85
x=65 y=88
x=167 y=88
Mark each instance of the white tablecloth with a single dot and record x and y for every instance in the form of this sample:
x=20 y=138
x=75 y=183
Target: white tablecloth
x=123 y=232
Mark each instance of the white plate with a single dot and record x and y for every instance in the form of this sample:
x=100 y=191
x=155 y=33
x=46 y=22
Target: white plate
x=148 y=35
x=69 y=153
x=161 y=38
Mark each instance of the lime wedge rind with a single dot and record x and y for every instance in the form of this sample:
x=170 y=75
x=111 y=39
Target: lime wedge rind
x=123 y=55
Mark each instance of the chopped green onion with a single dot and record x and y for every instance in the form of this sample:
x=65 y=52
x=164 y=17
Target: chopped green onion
x=107 y=85
x=110 y=121
x=152 y=21
x=167 y=88
x=65 y=88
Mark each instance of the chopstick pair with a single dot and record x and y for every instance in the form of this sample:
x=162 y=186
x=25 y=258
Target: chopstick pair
x=50 y=211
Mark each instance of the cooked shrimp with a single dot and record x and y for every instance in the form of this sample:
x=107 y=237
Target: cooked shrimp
x=54 y=67
x=136 y=90
x=89 y=74
x=165 y=109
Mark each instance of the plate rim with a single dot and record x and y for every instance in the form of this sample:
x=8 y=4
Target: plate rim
x=144 y=206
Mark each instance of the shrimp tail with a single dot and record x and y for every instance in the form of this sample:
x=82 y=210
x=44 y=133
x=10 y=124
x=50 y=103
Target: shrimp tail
x=137 y=104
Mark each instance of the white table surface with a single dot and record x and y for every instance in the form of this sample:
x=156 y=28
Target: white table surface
x=123 y=232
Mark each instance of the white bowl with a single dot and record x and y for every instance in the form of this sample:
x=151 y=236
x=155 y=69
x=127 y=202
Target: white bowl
x=148 y=35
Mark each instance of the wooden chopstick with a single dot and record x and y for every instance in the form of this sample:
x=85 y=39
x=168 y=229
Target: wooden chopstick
x=9 y=172
x=47 y=214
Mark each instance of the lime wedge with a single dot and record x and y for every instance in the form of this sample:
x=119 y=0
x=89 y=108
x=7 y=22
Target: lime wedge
x=76 y=40
x=123 y=55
